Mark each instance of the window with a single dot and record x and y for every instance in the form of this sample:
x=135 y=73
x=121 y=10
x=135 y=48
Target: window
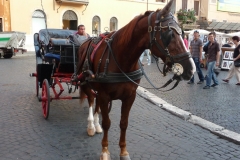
x=38 y=21
x=113 y=24
x=161 y=1
x=184 y=4
x=70 y=20
x=96 y=25
x=196 y=7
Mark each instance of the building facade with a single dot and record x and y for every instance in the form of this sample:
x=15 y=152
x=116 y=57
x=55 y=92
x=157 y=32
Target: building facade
x=219 y=15
x=97 y=15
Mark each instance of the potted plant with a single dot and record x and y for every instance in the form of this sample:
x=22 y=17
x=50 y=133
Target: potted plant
x=186 y=16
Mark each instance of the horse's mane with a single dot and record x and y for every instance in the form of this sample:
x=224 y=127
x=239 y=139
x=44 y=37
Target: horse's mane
x=127 y=30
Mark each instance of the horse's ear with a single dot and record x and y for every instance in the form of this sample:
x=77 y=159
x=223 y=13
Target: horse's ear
x=167 y=8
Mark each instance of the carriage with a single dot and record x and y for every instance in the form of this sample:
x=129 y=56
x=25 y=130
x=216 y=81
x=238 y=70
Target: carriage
x=56 y=61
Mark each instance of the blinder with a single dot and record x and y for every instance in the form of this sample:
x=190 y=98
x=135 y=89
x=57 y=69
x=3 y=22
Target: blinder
x=166 y=36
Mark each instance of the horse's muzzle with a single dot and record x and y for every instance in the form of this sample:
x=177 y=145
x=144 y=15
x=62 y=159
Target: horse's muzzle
x=189 y=69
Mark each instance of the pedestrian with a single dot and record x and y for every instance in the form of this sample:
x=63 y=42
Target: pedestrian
x=205 y=49
x=185 y=41
x=213 y=60
x=196 y=46
x=147 y=52
x=236 y=58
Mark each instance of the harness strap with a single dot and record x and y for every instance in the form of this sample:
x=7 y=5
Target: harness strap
x=97 y=46
x=150 y=28
x=117 y=77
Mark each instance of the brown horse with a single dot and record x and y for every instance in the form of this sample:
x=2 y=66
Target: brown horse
x=119 y=52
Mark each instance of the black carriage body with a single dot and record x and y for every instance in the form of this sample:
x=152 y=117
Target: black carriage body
x=53 y=45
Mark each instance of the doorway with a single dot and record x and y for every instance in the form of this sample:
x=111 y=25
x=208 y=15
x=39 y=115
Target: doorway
x=70 y=20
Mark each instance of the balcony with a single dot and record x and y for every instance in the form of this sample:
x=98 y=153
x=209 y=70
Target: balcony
x=85 y=2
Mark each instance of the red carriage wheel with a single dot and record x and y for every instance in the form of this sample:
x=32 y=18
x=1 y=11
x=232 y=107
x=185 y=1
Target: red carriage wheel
x=45 y=98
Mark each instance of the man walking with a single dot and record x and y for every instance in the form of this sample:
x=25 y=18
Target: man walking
x=213 y=60
x=196 y=47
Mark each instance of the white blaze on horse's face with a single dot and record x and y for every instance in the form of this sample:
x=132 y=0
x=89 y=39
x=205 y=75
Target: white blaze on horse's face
x=193 y=65
x=191 y=60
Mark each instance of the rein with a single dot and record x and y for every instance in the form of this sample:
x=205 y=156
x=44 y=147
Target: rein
x=175 y=77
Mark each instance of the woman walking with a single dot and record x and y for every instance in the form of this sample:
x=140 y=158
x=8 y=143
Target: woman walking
x=235 y=69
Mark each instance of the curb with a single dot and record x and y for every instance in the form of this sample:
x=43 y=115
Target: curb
x=187 y=116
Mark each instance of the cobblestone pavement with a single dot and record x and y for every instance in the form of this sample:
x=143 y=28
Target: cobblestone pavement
x=220 y=105
x=153 y=134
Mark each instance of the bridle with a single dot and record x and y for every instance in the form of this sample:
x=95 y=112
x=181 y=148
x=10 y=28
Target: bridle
x=170 y=23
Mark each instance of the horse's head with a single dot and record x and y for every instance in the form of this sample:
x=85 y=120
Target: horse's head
x=166 y=42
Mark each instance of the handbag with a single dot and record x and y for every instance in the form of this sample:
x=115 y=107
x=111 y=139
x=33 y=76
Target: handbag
x=237 y=63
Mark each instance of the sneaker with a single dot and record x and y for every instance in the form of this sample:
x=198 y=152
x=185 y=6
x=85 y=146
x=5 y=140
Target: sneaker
x=213 y=85
x=200 y=82
x=206 y=87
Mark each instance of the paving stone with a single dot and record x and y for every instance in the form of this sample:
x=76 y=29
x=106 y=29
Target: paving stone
x=152 y=134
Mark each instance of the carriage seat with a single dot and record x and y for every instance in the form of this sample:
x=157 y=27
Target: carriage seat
x=59 y=41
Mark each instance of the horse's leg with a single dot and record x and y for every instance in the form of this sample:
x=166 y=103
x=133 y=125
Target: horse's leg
x=106 y=122
x=126 y=107
x=90 y=127
x=96 y=118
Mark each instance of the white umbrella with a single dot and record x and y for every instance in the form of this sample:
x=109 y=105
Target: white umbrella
x=220 y=33
x=233 y=34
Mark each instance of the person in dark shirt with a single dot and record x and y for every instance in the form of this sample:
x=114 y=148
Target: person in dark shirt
x=236 y=57
x=213 y=60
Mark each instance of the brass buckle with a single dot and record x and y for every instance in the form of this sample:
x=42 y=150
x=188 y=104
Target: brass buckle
x=149 y=28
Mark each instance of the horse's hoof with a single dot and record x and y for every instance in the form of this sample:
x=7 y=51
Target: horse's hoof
x=91 y=132
x=105 y=156
x=125 y=157
x=98 y=129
